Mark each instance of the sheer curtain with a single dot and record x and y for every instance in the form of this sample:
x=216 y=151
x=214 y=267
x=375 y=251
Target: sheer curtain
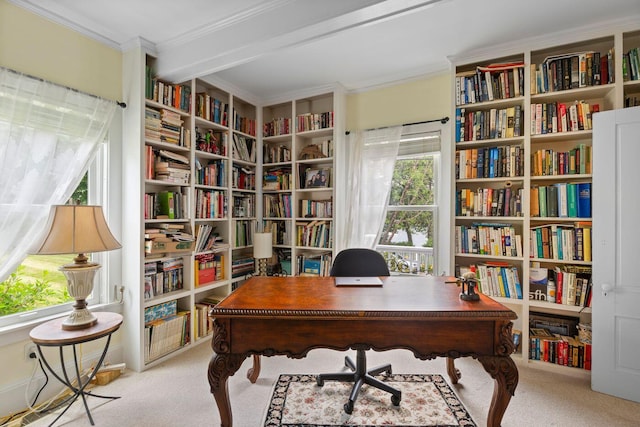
x=370 y=159
x=49 y=134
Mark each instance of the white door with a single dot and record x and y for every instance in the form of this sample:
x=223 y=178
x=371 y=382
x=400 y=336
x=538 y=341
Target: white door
x=616 y=254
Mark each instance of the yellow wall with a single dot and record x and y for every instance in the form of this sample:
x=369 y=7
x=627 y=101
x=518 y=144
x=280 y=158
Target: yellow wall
x=415 y=101
x=33 y=45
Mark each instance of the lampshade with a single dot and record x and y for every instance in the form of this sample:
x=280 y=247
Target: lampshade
x=262 y=245
x=77 y=229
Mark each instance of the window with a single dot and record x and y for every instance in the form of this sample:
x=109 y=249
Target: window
x=409 y=236
x=37 y=288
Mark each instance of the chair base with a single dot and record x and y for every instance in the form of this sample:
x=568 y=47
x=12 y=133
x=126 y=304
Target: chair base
x=359 y=376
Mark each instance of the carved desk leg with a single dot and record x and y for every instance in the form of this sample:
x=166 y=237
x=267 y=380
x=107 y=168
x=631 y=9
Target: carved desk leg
x=221 y=367
x=454 y=373
x=254 y=372
x=505 y=373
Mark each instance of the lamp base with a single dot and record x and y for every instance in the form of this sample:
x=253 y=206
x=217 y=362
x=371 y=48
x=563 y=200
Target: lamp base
x=80 y=318
x=80 y=285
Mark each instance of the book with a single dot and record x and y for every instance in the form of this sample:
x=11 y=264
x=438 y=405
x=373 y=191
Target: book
x=584 y=200
x=538 y=281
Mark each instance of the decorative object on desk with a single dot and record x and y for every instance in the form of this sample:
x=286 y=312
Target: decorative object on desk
x=79 y=229
x=262 y=250
x=427 y=400
x=469 y=282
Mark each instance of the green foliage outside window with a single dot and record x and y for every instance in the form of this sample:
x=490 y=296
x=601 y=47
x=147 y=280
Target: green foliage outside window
x=37 y=283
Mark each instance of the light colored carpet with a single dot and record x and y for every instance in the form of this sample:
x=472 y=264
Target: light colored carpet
x=176 y=393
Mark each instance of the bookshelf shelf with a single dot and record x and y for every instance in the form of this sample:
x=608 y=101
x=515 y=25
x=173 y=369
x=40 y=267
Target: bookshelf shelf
x=545 y=90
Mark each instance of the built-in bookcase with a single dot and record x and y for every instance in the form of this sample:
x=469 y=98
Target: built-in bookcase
x=299 y=137
x=523 y=172
x=196 y=165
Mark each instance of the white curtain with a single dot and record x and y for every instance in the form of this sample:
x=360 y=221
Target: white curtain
x=49 y=135
x=371 y=157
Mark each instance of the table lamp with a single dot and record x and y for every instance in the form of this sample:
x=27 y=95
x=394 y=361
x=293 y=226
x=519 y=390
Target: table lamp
x=262 y=250
x=78 y=229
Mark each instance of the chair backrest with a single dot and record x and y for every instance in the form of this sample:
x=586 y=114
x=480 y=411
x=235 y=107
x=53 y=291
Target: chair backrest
x=359 y=262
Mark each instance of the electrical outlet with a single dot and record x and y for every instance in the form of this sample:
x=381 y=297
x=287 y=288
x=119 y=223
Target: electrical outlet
x=30 y=352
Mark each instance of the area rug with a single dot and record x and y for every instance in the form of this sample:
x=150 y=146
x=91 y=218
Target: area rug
x=427 y=400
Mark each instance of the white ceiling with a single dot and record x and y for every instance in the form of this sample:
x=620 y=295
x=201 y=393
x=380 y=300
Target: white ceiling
x=271 y=47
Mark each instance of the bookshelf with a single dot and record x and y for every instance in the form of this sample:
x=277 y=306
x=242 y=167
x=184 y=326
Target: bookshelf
x=298 y=190
x=195 y=163
x=529 y=188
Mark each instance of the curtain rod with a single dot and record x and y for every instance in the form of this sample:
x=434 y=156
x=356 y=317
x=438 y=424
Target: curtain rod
x=119 y=103
x=442 y=120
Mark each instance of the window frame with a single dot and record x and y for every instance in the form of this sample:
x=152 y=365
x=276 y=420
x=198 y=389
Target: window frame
x=442 y=186
x=98 y=186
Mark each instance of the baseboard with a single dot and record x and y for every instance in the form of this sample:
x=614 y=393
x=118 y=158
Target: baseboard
x=13 y=398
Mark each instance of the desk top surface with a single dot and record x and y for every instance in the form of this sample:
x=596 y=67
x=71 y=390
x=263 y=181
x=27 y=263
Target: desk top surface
x=400 y=296
x=51 y=333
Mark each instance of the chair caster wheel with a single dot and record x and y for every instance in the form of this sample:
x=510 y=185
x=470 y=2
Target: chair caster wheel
x=395 y=400
x=348 y=407
x=320 y=381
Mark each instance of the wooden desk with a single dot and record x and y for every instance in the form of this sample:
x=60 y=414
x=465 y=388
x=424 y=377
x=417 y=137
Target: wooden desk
x=51 y=334
x=420 y=314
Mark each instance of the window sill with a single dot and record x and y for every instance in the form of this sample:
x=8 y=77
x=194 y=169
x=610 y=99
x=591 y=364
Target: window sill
x=18 y=332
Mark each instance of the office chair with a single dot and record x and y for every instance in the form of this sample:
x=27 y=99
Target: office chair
x=360 y=262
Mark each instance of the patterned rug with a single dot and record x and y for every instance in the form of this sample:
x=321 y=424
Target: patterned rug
x=427 y=400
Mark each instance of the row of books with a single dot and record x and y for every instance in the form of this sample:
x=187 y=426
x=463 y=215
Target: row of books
x=165 y=126
x=203 y=324
x=243 y=178
x=491 y=82
x=244 y=148
x=211 y=108
x=277 y=205
x=208 y=268
x=277 y=126
x=548 y=162
x=506 y=161
x=166 y=334
x=314 y=264
x=244 y=124
x=315 y=234
x=166 y=165
x=165 y=205
x=244 y=205
x=281 y=231
x=488 y=239
x=277 y=179
x=314 y=121
x=497 y=279
x=207 y=239
x=631 y=64
x=566 y=242
x=174 y=95
x=480 y=125
x=316 y=208
x=556 y=117
x=506 y=201
x=242 y=266
x=276 y=153
x=211 y=204
x=559 y=349
x=242 y=234
x=212 y=174
x=568 y=284
x=211 y=141
x=162 y=277
x=572 y=71
x=167 y=237
x=561 y=200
